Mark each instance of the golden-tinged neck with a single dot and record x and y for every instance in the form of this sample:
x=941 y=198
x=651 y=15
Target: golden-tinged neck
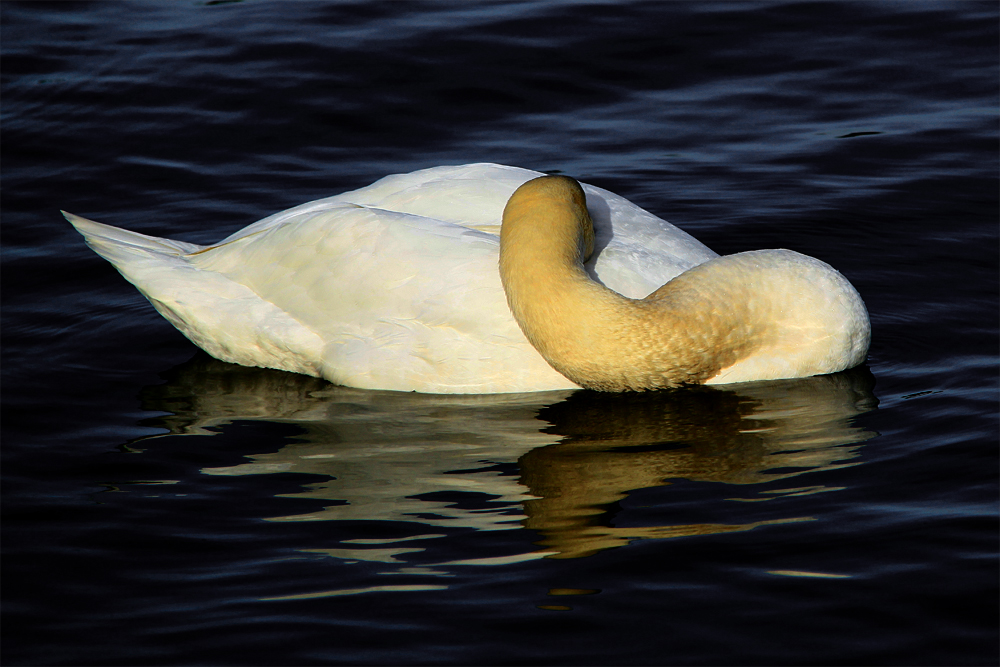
x=592 y=335
x=760 y=315
x=546 y=220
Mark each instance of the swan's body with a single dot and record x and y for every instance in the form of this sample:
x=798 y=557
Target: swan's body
x=396 y=286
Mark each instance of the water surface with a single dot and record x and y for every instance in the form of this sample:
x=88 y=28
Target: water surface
x=164 y=508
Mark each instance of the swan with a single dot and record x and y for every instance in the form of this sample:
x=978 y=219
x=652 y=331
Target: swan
x=485 y=278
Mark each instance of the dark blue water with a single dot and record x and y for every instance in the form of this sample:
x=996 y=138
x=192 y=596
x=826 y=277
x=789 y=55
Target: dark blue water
x=163 y=508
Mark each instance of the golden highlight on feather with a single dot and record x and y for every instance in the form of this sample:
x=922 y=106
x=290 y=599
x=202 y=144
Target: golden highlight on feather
x=762 y=313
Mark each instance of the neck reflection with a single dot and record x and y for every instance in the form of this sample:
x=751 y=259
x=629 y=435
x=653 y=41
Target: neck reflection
x=557 y=463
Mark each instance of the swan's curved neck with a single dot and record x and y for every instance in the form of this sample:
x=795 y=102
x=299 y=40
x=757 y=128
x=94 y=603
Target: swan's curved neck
x=592 y=335
x=758 y=315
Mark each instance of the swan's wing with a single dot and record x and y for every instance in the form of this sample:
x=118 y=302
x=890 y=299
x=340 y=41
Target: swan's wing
x=400 y=301
x=470 y=195
x=637 y=251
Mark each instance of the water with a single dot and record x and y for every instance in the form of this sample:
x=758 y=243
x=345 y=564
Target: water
x=163 y=508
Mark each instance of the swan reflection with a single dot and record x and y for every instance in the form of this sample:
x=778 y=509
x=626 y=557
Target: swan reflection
x=554 y=462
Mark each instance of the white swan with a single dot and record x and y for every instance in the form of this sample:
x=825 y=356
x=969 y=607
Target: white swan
x=396 y=286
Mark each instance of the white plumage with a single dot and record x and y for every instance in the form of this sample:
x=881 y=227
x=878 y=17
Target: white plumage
x=393 y=286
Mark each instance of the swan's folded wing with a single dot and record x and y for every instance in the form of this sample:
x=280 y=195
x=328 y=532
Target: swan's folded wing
x=637 y=252
x=470 y=195
x=400 y=301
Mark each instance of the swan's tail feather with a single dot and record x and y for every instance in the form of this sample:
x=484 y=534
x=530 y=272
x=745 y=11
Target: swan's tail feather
x=222 y=316
x=119 y=246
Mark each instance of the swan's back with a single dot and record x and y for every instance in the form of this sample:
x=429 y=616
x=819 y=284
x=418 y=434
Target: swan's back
x=636 y=251
x=393 y=286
